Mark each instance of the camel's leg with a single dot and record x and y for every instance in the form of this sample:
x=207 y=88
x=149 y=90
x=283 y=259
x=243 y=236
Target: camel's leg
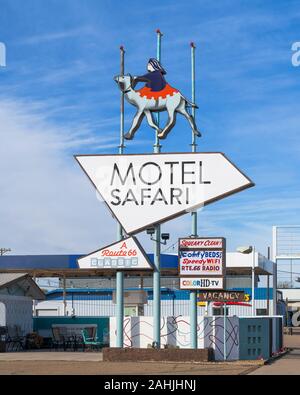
x=170 y=124
x=182 y=110
x=151 y=121
x=137 y=120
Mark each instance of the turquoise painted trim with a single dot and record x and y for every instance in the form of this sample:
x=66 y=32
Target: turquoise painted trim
x=45 y=323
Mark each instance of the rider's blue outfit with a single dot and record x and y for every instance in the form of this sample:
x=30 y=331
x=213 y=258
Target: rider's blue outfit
x=155 y=80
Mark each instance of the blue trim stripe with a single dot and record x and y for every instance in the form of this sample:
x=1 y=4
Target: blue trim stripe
x=64 y=261
x=166 y=293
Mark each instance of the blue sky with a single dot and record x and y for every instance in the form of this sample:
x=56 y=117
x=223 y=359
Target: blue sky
x=58 y=98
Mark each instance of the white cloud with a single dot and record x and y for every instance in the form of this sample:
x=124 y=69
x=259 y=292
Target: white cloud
x=47 y=204
x=58 y=35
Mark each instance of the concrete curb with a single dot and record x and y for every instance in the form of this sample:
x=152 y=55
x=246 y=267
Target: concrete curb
x=265 y=362
x=272 y=359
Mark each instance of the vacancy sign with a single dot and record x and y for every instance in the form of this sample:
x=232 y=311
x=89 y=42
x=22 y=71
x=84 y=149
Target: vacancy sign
x=144 y=190
x=194 y=283
x=201 y=256
x=123 y=255
x=221 y=296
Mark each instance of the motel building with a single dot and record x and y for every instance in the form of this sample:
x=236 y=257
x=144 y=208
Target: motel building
x=77 y=299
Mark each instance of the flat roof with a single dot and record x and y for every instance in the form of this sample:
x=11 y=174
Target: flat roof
x=66 y=266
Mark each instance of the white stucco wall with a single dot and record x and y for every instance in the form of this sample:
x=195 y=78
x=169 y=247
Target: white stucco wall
x=138 y=332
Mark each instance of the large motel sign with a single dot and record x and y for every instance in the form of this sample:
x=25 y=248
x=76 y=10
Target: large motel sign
x=144 y=190
x=148 y=189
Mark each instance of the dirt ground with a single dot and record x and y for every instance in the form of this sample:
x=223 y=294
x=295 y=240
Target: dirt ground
x=123 y=368
x=82 y=363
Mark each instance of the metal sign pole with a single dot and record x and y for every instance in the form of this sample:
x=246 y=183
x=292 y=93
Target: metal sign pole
x=157 y=251
x=225 y=346
x=253 y=282
x=120 y=274
x=193 y=294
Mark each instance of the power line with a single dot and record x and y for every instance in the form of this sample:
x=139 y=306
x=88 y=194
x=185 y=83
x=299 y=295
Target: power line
x=171 y=246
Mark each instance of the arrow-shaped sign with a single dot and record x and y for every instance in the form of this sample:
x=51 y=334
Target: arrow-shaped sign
x=143 y=190
x=126 y=254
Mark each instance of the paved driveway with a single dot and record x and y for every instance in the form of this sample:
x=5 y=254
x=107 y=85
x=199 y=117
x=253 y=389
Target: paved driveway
x=288 y=365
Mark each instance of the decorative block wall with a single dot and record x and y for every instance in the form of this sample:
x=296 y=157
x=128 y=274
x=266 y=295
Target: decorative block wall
x=138 y=333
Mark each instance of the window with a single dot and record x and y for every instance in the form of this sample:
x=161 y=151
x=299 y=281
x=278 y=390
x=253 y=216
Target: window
x=287 y=246
x=261 y=312
x=295 y=266
x=288 y=273
x=288 y=240
x=220 y=310
x=284 y=268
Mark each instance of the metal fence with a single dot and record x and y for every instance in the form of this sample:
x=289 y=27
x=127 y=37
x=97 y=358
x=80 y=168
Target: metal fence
x=103 y=306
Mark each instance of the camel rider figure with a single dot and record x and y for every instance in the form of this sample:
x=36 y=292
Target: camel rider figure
x=154 y=79
x=156 y=86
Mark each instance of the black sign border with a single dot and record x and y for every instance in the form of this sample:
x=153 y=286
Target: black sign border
x=221 y=301
x=211 y=276
x=182 y=212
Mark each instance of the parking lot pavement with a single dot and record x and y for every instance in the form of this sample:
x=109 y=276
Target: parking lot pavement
x=292 y=341
x=289 y=364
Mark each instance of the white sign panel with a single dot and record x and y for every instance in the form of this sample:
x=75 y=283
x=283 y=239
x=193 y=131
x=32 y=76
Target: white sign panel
x=202 y=256
x=193 y=283
x=201 y=262
x=143 y=190
x=126 y=254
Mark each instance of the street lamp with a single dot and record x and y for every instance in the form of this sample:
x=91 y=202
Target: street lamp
x=164 y=236
x=249 y=250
